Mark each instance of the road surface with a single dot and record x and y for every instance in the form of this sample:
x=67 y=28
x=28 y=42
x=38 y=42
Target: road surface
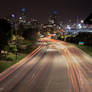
x=56 y=67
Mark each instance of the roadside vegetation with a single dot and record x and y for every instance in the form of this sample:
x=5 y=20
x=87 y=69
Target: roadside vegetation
x=14 y=47
x=9 y=58
x=82 y=37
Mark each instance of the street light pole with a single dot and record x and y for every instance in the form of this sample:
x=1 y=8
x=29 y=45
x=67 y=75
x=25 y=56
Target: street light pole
x=14 y=25
x=16 y=43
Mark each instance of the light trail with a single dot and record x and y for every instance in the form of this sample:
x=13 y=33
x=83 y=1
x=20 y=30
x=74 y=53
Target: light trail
x=78 y=70
x=23 y=61
x=72 y=73
x=79 y=77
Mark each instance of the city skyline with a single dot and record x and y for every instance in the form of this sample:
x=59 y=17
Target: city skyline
x=42 y=9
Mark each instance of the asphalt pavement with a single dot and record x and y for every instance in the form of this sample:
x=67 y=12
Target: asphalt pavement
x=56 y=67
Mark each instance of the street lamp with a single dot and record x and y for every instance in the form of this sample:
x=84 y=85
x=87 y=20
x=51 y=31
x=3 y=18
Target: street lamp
x=13 y=15
x=23 y=10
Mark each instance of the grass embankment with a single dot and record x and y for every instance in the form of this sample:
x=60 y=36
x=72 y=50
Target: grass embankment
x=87 y=49
x=24 y=48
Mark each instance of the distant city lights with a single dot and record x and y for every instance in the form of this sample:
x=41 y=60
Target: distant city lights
x=68 y=27
x=20 y=18
x=79 y=26
x=82 y=21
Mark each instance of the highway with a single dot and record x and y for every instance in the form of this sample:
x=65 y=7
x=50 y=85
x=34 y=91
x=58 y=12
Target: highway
x=53 y=67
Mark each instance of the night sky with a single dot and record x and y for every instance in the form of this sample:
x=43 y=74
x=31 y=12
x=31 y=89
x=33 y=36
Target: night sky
x=68 y=9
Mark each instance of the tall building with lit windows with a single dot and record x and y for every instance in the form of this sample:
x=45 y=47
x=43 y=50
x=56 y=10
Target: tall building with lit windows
x=23 y=18
x=52 y=19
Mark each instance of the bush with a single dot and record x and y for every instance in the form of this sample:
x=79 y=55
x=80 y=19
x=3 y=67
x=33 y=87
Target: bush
x=85 y=37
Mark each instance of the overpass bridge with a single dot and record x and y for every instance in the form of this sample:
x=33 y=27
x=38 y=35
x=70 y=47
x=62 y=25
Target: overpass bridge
x=78 y=30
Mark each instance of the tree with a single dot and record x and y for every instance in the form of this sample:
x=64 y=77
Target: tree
x=20 y=29
x=5 y=33
x=88 y=20
x=31 y=34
